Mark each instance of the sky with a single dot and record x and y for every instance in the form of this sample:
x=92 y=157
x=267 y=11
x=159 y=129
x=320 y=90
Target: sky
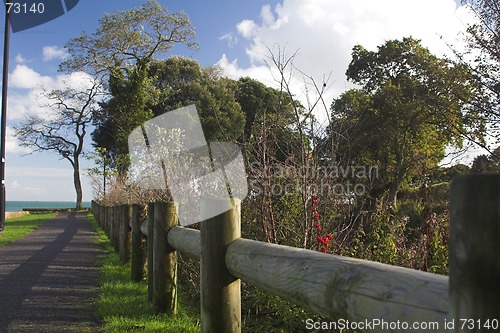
x=233 y=34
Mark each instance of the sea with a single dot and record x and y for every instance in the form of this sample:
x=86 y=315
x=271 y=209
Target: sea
x=17 y=206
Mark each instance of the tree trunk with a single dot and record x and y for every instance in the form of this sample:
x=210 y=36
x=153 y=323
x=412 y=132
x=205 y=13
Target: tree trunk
x=392 y=198
x=78 y=184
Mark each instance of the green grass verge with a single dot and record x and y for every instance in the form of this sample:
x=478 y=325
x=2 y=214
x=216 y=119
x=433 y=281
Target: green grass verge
x=19 y=227
x=122 y=304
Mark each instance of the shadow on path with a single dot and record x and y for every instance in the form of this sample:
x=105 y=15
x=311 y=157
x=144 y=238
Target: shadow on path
x=49 y=278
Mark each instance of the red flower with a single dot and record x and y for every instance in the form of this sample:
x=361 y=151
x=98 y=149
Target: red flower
x=325 y=239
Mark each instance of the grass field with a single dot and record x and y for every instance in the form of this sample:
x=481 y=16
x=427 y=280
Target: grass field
x=18 y=227
x=122 y=304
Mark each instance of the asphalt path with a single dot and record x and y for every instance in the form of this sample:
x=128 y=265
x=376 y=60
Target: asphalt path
x=49 y=279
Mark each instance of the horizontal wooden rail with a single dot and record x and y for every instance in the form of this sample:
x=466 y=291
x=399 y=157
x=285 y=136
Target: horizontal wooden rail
x=144 y=228
x=332 y=286
x=340 y=287
x=186 y=241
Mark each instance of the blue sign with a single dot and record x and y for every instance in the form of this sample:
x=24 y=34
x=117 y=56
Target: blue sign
x=31 y=13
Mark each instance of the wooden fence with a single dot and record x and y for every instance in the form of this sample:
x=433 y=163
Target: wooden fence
x=377 y=297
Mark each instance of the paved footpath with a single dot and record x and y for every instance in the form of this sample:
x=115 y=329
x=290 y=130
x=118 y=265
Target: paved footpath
x=48 y=280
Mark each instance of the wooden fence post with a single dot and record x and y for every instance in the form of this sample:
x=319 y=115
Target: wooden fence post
x=220 y=291
x=106 y=220
x=137 y=254
x=97 y=213
x=111 y=225
x=474 y=249
x=102 y=213
x=164 y=259
x=116 y=226
x=124 y=235
x=150 y=242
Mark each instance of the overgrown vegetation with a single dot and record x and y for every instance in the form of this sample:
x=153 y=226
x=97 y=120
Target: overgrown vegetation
x=19 y=227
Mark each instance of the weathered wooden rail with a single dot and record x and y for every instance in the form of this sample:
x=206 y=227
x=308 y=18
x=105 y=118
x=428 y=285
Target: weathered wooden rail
x=334 y=287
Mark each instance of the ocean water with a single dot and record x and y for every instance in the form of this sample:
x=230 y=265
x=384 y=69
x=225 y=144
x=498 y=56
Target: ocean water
x=17 y=206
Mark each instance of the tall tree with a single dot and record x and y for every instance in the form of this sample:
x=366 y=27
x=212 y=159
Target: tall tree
x=119 y=52
x=483 y=58
x=64 y=130
x=124 y=111
x=132 y=37
x=410 y=107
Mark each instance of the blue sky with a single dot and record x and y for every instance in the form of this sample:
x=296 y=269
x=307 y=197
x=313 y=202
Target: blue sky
x=232 y=34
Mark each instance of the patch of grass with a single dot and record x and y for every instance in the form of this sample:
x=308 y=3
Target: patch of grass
x=19 y=227
x=122 y=305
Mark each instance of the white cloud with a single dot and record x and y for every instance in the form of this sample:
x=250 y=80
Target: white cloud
x=20 y=59
x=267 y=15
x=28 y=86
x=12 y=144
x=325 y=31
x=24 y=77
x=230 y=38
x=53 y=52
x=247 y=28
x=24 y=190
x=234 y=70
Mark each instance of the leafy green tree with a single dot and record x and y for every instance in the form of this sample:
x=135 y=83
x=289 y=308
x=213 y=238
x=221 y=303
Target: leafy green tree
x=132 y=37
x=253 y=97
x=410 y=108
x=487 y=163
x=483 y=58
x=119 y=115
x=181 y=82
x=119 y=53
x=271 y=111
x=447 y=174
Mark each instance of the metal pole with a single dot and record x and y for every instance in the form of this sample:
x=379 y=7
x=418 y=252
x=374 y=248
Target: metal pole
x=3 y=124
